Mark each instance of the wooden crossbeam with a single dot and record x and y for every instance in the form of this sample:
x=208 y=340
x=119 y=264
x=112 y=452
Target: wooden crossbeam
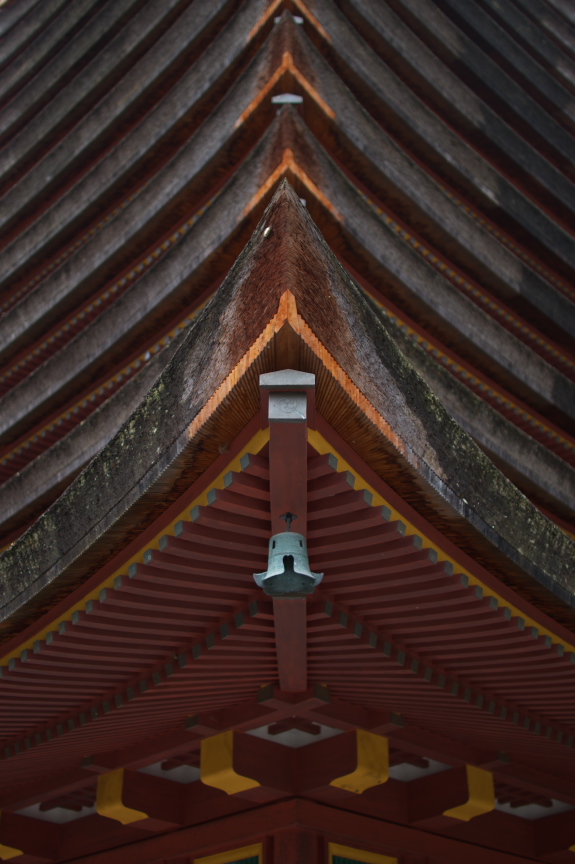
x=310 y=771
x=245 y=826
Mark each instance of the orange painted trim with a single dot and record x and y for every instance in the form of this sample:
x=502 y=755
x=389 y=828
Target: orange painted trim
x=264 y=18
x=257 y=100
x=312 y=92
x=287 y=164
x=312 y=19
x=302 y=8
x=286 y=66
x=286 y=311
x=309 y=337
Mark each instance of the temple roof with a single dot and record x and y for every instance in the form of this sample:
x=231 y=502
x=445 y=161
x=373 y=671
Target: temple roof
x=414 y=443
x=117 y=236
x=287 y=276
x=431 y=560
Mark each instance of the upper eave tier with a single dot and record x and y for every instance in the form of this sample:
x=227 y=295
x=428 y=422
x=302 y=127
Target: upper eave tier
x=473 y=298
x=367 y=391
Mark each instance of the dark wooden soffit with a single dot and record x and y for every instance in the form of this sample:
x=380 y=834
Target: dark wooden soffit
x=177 y=432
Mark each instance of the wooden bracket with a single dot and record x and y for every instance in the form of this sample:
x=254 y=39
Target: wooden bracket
x=109 y=799
x=217 y=765
x=372 y=764
x=460 y=793
x=481 y=795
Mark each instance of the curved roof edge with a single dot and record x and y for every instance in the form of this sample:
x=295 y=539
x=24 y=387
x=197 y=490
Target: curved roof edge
x=429 y=456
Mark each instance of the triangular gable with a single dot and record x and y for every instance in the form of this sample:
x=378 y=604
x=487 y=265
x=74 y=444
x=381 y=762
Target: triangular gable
x=288 y=276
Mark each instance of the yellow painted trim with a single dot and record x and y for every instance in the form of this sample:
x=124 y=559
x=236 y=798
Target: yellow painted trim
x=481 y=795
x=8 y=852
x=233 y=855
x=323 y=447
x=287 y=311
x=109 y=799
x=217 y=765
x=372 y=764
x=357 y=855
x=319 y=443
x=254 y=446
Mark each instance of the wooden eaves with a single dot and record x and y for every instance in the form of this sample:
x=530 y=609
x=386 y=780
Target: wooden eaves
x=382 y=441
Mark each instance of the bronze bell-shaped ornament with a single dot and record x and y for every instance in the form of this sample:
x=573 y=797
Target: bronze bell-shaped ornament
x=288 y=573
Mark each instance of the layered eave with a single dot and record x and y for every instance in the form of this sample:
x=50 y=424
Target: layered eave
x=109 y=259
x=431 y=146
x=408 y=437
x=192 y=464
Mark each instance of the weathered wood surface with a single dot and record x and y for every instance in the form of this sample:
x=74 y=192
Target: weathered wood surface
x=535 y=467
x=455 y=47
x=457 y=103
x=531 y=33
x=392 y=145
x=21 y=28
x=542 y=85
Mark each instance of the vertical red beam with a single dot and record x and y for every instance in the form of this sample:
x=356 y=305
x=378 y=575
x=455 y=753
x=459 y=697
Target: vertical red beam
x=288 y=475
x=290 y=614
x=288 y=393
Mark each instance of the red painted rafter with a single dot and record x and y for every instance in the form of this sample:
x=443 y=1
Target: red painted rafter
x=197 y=588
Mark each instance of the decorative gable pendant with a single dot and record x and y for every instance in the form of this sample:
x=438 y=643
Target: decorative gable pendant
x=288 y=573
